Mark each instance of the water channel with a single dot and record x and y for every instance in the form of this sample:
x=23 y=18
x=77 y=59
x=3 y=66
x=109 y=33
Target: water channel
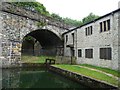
x=36 y=78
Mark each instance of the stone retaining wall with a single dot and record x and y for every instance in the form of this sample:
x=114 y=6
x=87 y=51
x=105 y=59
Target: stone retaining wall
x=65 y=60
x=25 y=65
x=83 y=79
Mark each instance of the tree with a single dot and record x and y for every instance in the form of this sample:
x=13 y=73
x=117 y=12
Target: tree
x=89 y=18
x=72 y=22
x=56 y=16
x=38 y=7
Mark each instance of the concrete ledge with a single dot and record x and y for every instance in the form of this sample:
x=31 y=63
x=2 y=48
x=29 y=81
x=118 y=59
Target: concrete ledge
x=24 y=65
x=87 y=81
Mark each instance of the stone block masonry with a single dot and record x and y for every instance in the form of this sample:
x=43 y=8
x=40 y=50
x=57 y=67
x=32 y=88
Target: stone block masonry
x=0 y=48
x=15 y=24
x=97 y=42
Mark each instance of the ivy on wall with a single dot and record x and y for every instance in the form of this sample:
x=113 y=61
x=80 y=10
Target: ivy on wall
x=28 y=38
x=41 y=24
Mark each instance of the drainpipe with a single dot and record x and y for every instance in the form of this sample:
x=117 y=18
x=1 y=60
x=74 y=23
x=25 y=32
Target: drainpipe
x=76 y=44
x=71 y=49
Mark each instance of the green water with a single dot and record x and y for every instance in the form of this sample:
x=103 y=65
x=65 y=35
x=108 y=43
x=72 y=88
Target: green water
x=36 y=78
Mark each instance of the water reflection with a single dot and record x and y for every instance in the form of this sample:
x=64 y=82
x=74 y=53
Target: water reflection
x=35 y=78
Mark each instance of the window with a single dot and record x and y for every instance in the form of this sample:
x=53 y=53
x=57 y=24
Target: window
x=91 y=29
x=101 y=27
x=105 y=25
x=108 y=24
x=88 y=31
x=79 y=53
x=73 y=37
x=105 y=53
x=66 y=38
x=88 y=53
x=73 y=52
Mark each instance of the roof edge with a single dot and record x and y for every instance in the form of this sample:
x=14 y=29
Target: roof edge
x=93 y=20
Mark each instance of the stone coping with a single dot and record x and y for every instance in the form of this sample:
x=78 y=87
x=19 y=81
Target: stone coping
x=10 y=8
x=93 y=81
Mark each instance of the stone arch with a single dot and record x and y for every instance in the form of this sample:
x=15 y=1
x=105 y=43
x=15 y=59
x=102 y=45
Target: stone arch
x=48 y=42
x=57 y=31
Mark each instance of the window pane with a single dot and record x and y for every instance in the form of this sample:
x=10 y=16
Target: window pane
x=101 y=53
x=79 y=53
x=105 y=53
x=91 y=29
x=104 y=25
x=86 y=31
x=89 y=53
x=86 y=53
x=109 y=55
x=108 y=24
x=73 y=37
x=101 y=27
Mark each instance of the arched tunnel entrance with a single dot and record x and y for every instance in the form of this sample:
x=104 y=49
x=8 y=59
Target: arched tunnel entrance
x=42 y=42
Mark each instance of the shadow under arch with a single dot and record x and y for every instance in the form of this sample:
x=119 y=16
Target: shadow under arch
x=44 y=42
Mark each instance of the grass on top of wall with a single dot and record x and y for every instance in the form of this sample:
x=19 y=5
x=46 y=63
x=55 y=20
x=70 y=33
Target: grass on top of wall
x=107 y=70
x=89 y=73
x=34 y=59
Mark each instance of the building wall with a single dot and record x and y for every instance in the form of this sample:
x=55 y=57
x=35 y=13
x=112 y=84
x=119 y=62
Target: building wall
x=96 y=41
x=69 y=43
x=0 y=40
x=119 y=39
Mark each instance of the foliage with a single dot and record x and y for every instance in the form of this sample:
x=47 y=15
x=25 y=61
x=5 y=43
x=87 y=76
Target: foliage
x=38 y=7
x=28 y=38
x=89 y=73
x=89 y=18
x=72 y=22
x=56 y=17
x=41 y=24
x=66 y=20
x=34 y=6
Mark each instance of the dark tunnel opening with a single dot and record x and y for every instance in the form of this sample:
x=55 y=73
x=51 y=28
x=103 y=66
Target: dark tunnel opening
x=42 y=42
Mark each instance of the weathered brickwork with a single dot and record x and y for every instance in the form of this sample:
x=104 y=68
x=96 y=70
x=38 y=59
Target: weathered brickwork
x=96 y=41
x=16 y=23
